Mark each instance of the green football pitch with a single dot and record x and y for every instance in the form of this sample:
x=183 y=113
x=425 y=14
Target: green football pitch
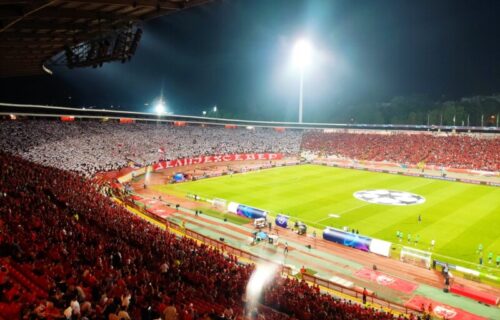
x=457 y=216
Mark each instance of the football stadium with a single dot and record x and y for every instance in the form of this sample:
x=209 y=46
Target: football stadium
x=323 y=196
x=344 y=204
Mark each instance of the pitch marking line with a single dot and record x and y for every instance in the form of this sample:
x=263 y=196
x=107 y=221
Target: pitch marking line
x=342 y=212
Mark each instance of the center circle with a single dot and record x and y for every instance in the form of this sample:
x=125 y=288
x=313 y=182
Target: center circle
x=389 y=197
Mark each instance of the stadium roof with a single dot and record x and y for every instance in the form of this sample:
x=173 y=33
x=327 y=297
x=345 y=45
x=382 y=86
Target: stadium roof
x=31 y=32
x=11 y=110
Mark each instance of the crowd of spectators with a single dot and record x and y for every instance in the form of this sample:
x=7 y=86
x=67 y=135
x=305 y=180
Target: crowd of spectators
x=289 y=295
x=92 y=259
x=456 y=151
x=98 y=259
x=88 y=147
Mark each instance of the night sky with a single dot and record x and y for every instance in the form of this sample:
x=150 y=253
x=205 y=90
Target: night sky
x=236 y=54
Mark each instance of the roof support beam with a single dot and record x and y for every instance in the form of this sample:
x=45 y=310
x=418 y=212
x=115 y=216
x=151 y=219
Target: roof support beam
x=49 y=25
x=30 y=9
x=160 y=4
x=33 y=31
x=181 y=6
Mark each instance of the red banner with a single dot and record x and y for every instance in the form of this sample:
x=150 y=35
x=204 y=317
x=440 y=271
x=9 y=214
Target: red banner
x=126 y=120
x=214 y=159
x=67 y=118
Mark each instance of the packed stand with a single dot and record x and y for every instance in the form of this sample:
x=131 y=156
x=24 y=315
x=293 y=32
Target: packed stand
x=308 y=303
x=96 y=258
x=88 y=147
x=91 y=259
x=455 y=151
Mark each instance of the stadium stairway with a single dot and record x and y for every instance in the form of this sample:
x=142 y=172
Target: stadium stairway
x=204 y=307
x=24 y=280
x=26 y=271
x=10 y=310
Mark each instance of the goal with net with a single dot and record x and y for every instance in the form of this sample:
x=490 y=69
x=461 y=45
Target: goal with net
x=219 y=203
x=416 y=257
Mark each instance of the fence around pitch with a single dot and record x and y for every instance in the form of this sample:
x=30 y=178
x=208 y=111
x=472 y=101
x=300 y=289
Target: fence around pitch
x=285 y=269
x=357 y=294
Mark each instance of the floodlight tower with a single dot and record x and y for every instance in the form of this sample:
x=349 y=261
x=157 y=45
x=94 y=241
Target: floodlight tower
x=302 y=58
x=160 y=106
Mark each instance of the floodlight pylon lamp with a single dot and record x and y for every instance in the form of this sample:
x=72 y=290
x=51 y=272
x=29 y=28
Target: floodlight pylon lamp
x=160 y=106
x=302 y=53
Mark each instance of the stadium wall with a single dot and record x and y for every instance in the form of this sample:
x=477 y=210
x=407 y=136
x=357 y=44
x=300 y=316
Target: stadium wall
x=216 y=159
x=200 y=160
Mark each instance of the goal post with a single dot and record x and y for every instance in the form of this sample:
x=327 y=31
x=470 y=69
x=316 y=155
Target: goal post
x=219 y=203
x=416 y=257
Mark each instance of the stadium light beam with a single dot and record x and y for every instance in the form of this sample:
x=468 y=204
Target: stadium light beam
x=160 y=106
x=261 y=276
x=302 y=53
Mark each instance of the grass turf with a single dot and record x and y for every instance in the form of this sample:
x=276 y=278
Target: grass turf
x=457 y=216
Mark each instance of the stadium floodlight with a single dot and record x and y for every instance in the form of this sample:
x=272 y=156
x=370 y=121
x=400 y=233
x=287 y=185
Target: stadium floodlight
x=302 y=54
x=204 y=113
x=160 y=106
x=215 y=108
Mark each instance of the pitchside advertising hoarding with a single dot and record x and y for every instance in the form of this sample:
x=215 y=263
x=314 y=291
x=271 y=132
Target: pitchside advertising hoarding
x=249 y=212
x=216 y=159
x=347 y=239
x=282 y=220
x=357 y=241
x=246 y=211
